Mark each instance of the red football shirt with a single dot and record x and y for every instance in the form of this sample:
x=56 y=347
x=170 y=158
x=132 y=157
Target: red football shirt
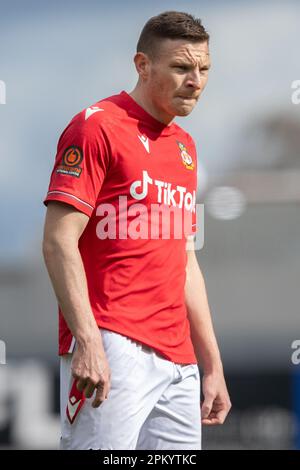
x=121 y=167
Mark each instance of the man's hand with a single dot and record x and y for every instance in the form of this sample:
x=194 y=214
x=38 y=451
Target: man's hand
x=91 y=369
x=216 y=404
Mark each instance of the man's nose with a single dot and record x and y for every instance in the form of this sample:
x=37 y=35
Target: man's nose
x=195 y=80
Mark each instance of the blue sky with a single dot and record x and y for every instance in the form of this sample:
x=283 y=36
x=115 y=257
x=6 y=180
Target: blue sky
x=57 y=58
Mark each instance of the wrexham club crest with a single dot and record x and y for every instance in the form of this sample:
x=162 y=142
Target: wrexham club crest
x=185 y=156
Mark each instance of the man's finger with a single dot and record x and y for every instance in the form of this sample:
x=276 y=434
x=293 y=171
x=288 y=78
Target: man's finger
x=100 y=396
x=215 y=417
x=89 y=389
x=221 y=415
x=211 y=421
x=81 y=384
x=206 y=408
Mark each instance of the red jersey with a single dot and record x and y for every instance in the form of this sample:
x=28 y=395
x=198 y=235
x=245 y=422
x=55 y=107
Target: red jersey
x=121 y=167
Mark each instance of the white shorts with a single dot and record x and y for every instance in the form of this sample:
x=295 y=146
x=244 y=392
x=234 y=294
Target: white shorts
x=153 y=403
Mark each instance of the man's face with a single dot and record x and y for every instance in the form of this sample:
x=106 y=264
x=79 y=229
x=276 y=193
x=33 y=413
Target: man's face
x=177 y=77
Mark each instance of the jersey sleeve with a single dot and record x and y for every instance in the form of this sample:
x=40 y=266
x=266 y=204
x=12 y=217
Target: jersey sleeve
x=81 y=163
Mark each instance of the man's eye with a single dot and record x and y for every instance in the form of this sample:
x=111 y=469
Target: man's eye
x=181 y=67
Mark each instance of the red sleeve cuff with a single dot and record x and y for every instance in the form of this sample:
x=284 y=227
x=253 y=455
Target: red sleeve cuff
x=70 y=199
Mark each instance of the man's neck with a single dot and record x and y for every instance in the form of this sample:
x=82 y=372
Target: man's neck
x=141 y=99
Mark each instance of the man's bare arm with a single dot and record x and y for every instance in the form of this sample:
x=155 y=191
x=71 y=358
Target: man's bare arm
x=216 y=403
x=63 y=227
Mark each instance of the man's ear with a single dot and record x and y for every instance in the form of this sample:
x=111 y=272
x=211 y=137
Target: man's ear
x=142 y=65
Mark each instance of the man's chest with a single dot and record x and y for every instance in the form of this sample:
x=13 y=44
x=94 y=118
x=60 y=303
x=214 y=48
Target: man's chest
x=151 y=168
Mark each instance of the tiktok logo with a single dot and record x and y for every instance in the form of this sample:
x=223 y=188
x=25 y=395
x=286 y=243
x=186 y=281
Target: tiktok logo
x=165 y=193
x=138 y=184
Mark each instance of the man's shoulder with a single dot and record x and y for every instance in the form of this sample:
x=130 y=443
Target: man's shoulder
x=183 y=134
x=103 y=112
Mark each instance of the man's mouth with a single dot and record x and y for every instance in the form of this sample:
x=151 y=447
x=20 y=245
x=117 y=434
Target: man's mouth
x=187 y=97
